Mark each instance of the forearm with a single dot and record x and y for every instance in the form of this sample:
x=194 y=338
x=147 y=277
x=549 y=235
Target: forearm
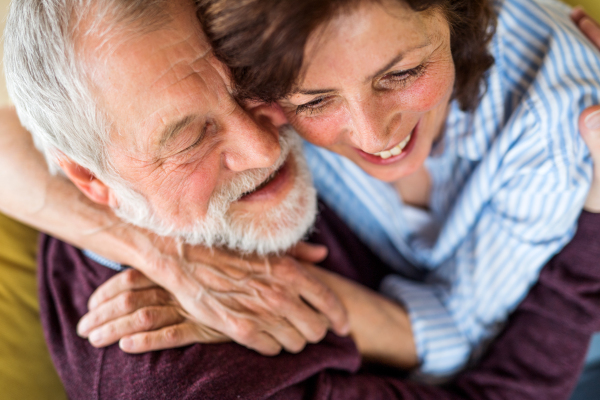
x=380 y=327
x=541 y=351
x=51 y=203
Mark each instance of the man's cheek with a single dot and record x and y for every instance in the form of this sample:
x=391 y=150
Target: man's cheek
x=187 y=196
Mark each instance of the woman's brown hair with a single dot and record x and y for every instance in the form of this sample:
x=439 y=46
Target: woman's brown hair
x=262 y=41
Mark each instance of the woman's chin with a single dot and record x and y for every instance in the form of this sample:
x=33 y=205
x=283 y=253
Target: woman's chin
x=394 y=174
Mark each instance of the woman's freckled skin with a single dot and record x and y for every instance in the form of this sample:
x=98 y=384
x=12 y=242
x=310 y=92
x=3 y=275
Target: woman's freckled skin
x=376 y=112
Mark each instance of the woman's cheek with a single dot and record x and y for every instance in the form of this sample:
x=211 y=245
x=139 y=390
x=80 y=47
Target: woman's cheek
x=429 y=91
x=323 y=130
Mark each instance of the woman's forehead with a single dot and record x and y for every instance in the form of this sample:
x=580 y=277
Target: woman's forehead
x=371 y=39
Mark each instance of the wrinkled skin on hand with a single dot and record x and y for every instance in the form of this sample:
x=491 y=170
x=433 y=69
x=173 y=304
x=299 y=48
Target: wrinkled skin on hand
x=141 y=316
x=265 y=304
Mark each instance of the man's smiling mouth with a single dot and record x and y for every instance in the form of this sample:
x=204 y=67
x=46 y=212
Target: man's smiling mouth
x=265 y=182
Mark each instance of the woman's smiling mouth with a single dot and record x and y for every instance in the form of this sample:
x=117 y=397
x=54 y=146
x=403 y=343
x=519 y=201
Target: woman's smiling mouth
x=396 y=153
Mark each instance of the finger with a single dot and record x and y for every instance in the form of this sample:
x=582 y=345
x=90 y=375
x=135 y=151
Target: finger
x=577 y=14
x=589 y=126
x=127 y=280
x=309 y=252
x=591 y=29
x=319 y=296
x=288 y=336
x=247 y=333
x=262 y=343
x=170 y=337
x=120 y=306
x=143 y=320
x=286 y=302
x=311 y=324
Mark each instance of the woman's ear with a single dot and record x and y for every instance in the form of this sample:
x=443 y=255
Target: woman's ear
x=86 y=181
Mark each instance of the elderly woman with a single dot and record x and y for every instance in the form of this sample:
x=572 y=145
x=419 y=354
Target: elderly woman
x=481 y=187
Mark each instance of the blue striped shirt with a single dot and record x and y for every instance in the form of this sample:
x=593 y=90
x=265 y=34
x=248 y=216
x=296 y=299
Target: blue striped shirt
x=508 y=183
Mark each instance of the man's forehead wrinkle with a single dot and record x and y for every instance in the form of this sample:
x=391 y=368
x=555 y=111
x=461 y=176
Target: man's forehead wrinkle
x=179 y=59
x=176 y=73
x=104 y=20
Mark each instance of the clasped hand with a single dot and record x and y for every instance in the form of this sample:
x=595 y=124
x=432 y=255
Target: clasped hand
x=265 y=304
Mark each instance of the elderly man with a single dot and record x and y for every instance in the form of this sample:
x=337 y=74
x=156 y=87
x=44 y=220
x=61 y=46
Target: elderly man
x=129 y=102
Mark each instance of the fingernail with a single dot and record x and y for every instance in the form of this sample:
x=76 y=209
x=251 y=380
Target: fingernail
x=125 y=343
x=95 y=336
x=92 y=304
x=592 y=121
x=345 y=330
x=83 y=327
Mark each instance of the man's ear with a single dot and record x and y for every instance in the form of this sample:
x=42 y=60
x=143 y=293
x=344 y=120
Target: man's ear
x=87 y=182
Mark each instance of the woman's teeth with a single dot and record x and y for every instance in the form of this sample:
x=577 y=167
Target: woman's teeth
x=394 y=151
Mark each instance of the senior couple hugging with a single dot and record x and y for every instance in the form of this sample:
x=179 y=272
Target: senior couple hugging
x=442 y=138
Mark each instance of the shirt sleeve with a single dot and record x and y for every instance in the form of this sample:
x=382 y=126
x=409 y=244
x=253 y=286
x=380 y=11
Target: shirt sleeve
x=537 y=192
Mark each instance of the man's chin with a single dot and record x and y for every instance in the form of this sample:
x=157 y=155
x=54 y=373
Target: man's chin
x=275 y=229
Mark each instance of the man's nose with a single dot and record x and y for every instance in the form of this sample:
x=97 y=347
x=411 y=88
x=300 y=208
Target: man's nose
x=370 y=126
x=252 y=142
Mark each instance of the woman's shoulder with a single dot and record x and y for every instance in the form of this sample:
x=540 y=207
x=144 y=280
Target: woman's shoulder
x=546 y=69
x=546 y=14
x=536 y=41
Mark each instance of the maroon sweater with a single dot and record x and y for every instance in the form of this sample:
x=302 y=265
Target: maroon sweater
x=538 y=356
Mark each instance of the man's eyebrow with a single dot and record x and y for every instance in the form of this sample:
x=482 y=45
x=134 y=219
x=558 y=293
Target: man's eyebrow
x=173 y=129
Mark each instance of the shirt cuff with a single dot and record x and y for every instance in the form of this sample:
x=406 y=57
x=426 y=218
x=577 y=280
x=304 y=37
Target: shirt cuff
x=442 y=348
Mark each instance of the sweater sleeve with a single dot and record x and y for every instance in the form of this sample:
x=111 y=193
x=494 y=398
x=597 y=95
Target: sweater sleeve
x=540 y=353
x=538 y=356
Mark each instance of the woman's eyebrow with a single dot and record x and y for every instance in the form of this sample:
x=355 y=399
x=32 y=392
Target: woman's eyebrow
x=313 y=92
x=397 y=59
x=389 y=65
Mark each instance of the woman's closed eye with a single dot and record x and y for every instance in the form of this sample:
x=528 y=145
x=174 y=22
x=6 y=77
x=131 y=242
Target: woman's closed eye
x=392 y=80
x=313 y=106
x=401 y=79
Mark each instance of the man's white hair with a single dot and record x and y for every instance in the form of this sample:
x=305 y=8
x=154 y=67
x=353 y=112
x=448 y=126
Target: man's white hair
x=47 y=80
x=53 y=93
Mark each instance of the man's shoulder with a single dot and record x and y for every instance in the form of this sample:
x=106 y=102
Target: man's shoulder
x=217 y=371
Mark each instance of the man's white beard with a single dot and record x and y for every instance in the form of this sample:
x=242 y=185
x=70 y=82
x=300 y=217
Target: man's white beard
x=273 y=231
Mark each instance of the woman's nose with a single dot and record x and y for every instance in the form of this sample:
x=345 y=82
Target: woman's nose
x=371 y=126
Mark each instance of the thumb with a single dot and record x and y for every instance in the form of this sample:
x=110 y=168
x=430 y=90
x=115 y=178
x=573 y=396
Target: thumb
x=589 y=127
x=309 y=252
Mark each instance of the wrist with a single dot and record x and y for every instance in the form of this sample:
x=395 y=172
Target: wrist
x=380 y=327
